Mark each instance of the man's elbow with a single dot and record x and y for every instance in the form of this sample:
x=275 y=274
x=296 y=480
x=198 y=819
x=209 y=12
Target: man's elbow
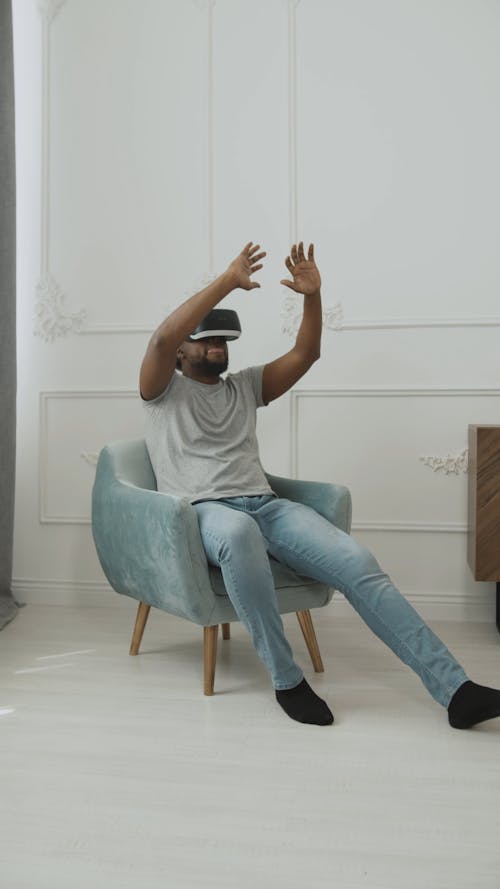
x=162 y=344
x=307 y=356
x=315 y=355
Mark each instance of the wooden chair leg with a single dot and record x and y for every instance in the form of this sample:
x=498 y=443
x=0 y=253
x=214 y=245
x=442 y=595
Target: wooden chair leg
x=306 y=625
x=226 y=631
x=140 y=623
x=209 y=657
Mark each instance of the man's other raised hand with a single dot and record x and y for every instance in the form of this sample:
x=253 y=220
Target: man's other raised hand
x=304 y=272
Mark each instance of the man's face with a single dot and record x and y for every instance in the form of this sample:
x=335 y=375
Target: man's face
x=206 y=357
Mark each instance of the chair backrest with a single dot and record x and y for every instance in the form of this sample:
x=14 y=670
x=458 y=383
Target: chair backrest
x=131 y=463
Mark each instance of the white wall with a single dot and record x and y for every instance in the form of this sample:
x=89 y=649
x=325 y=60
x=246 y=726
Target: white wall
x=154 y=139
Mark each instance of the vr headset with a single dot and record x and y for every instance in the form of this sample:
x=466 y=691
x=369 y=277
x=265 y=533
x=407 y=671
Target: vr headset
x=218 y=322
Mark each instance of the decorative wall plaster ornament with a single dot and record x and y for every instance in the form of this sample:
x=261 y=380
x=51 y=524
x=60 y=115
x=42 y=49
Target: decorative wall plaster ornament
x=449 y=464
x=90 y=457
x=292 y=311
x=333 y=317
x=200 y=284
x=52 y=316
x=49 y=8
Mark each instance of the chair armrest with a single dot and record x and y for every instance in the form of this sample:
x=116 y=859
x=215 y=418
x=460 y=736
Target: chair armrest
x=331 y=501
x=149 y=546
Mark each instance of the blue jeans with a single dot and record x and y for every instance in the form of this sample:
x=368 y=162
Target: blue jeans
x=238 y=533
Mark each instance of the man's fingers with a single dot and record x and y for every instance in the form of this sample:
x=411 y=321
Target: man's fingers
x=289 y=284
x=254 y=284
x=255 y=268
x=310 y=255
x=293 y=253
x=300 y=252
x=289 y=264
x=254 y=248
x=256 y=258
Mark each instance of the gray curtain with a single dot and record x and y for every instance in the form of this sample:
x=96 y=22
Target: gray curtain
x=8 y=606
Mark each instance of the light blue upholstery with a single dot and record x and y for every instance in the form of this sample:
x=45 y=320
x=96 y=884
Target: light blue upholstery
x=150 y=548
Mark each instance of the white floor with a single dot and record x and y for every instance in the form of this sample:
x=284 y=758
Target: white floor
x=117 y=772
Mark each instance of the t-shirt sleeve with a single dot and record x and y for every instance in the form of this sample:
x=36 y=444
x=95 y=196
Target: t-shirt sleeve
x=252 y=376
x=155 y=401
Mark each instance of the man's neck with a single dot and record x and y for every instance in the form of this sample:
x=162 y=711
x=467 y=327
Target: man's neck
x=198 y=378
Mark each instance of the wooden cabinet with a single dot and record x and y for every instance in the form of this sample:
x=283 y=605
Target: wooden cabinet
x=483 y=545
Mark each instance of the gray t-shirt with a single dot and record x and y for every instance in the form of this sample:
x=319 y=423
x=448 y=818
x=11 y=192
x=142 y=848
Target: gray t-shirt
x=201 y=438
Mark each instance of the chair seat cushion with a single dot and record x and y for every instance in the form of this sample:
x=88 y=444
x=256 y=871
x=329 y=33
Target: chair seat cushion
x=294 y=593
x=283 y=578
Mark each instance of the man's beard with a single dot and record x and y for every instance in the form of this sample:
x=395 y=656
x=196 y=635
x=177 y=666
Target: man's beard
x=211 y=368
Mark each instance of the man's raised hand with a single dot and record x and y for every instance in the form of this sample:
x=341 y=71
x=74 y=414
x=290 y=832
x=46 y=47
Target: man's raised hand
x=305 y=273
x=245 y=265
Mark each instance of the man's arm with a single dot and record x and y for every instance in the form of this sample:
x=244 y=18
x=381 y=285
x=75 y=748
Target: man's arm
x=161 y=355
x=280 y=375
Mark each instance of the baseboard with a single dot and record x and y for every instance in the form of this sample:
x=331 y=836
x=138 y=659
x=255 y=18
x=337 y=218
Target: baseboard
x=93 y=593
x=84 y=593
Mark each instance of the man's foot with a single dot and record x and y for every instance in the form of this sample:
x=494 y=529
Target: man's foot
x=304 y=705
x=472 y=704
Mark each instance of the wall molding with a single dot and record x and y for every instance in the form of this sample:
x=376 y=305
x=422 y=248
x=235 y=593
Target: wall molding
x=413 y=527
x=90 y=457
x=416 y=323
x=54 y=316
x=333 y=316
x=110 y=327
x=292 y=123
x=333 y=319
x=380 y=392
x=210 y=134
x=31 y=590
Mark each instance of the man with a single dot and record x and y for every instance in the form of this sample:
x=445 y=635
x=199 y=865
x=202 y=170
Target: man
x=202 y=442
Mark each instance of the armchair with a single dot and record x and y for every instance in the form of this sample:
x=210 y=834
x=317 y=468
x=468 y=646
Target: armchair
x=150 y=548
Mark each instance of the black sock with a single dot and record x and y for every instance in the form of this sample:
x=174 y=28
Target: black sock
x=304 y=705
x=472 y=704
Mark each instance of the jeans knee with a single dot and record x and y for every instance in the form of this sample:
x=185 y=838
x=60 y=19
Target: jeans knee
x=240 y=535
x=363 y=562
